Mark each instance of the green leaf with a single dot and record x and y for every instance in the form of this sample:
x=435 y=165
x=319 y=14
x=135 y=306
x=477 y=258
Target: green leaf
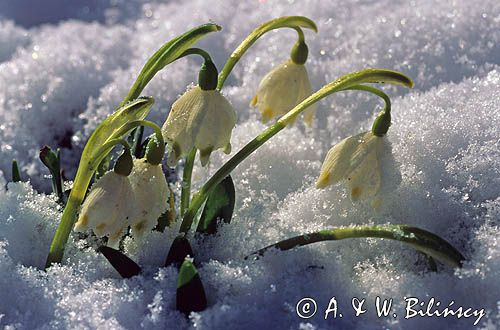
x=281 y=22
x=421 y=240
x=179 y=250
x=219 y=205
x=125 y=266
x=168 y=53
x=190 y=296
x=16 y=176
x=135 y=141
x=52 y=161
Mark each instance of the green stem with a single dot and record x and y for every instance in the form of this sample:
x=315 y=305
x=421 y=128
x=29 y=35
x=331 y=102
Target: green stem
x=186 y=181
x=133 y=124
x=422 y=240
x=293 y=22
x=196 y=51
x=376 y=91
x=343 y=83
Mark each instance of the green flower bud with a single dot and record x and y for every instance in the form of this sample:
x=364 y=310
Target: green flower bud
x=155 y=151
x=207 y=79
x=124 y=164
x=381 y=123
x=299 y=52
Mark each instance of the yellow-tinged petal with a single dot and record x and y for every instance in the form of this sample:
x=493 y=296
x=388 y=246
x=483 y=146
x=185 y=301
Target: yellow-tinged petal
x=108 y=207
x=202 y=119
x=151 y=192
x=364 y=181
x=355 y=160
x=282 y=89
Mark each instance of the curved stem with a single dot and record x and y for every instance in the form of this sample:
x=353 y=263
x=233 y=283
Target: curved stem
x=345 y=82
x=376 y=91
x=300 y=34
x=351 y=80
x=287 y=21
x=168 y=53
x=186 y=181
x=133 y=124
x=422 y=240
x=111 y=143
x=196 y=51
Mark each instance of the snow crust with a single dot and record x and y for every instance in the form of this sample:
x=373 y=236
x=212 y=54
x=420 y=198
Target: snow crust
x=58 y=81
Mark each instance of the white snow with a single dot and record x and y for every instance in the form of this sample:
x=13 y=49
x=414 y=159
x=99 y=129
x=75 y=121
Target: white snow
x=58 y=81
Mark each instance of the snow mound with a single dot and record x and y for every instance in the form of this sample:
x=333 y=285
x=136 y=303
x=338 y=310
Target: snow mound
x=58 y=81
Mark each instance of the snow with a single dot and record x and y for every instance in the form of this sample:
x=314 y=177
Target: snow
x=58 y=80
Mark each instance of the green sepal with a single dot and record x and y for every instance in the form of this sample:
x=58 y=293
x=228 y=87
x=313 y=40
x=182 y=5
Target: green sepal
x=190 y=296
x=219 y=205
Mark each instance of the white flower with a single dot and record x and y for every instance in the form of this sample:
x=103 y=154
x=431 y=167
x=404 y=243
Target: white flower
x=357 y=159
x=282 y=89
x=199 y=118
x=151 y=195
x=108 y=208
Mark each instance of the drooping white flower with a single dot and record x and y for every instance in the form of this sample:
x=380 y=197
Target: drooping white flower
x=151 y=194
x=357 y=160
x=282 y=89
x=203 y=119
x=108 y=208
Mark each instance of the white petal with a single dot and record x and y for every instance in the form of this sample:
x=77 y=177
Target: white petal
x=364 y=181
x=108 y=207
x=282 y=89
x=151 y=193
x=337 y=163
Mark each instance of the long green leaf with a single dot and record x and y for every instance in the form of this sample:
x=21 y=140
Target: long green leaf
x=421 y=240
x=167 y=54
x=219 y=205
